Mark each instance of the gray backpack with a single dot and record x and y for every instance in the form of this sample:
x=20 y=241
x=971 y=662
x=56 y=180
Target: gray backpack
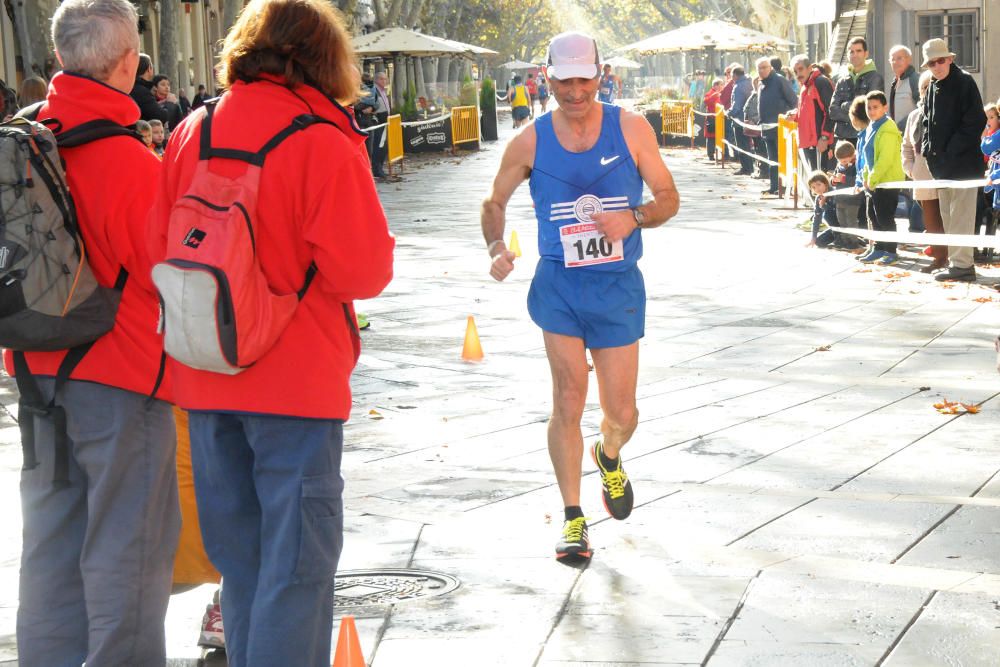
x=49 y=298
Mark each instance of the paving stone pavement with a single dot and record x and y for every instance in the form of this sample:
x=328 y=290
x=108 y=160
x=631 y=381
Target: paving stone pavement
x=799 y=501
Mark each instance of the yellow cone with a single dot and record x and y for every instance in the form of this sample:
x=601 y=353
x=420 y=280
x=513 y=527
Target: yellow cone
x=472 y=350
x=514 y=246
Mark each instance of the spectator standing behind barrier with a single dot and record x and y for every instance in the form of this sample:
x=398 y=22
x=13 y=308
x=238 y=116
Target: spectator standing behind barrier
x=751 y=116
x=861 y=78
x=199 y=97
x=97 y=554
x=379 y=137
x=775 y=98
x=883 y=164
x=953 y=126
x=711 y=103
x=142 y=92
x=167 y=100
x=915 y=167
x=815 y=128
x=696 y=91
x=266 y=443
x=848 y=206
x=904 y=91
x=742 y=89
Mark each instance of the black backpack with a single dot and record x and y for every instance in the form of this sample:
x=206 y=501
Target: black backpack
x=49 y=298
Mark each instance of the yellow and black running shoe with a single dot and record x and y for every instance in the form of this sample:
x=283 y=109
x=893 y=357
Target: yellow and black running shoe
x=616 y=489
x=575 y=543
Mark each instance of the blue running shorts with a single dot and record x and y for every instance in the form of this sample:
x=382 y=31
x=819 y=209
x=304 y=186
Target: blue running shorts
x=604 y=308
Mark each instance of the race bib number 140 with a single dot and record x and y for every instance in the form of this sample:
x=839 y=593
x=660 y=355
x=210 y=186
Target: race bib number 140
x=583 y=245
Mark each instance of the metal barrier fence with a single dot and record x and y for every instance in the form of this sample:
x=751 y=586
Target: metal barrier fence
x=394 y=136
x=677 y=118
x=464 y=125
x=788 y=155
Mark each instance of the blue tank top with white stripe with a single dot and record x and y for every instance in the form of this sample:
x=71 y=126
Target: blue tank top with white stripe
x=566 y=187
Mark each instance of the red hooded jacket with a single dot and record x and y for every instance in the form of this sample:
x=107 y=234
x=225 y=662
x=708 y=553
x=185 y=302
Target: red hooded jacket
x=112 y=181
x=813 y=112
x=317 y=203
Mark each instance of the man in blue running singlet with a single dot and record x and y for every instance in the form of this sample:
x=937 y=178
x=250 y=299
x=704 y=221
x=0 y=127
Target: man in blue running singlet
x=586 y=163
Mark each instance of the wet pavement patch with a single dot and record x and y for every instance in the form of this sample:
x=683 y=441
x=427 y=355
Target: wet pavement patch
x=368 y=592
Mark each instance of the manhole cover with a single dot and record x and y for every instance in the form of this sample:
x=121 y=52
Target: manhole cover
x=362 y=592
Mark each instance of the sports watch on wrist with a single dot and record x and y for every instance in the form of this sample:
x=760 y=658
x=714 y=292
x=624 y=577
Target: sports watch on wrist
x=640 y=217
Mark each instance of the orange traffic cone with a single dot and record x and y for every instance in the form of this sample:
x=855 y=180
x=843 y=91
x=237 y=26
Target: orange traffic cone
x=514 y=247
x=349 y=652
x=472 y=350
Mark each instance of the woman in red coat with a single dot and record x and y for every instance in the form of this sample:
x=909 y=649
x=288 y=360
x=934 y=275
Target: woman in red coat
x=712 y=97
x=266 y=443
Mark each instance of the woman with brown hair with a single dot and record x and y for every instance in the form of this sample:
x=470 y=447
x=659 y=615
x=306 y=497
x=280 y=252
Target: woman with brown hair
x=33 y=89
x=266 y=441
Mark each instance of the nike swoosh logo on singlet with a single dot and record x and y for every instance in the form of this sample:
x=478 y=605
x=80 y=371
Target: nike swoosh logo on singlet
x=605 y=161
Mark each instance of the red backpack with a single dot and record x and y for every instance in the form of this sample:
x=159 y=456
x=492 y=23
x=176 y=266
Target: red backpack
x=218 y=312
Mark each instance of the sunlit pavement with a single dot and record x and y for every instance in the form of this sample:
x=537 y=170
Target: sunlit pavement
x=800 y=501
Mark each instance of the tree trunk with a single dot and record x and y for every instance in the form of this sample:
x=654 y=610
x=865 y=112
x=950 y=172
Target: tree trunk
x=444 y=67
x=418 y=72
x=167 y=64
x=230 y=11
x=24 y=41
x=398 y=81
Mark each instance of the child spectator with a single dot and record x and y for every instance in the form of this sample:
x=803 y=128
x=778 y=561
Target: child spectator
x=824 y=208
x=711 y=100
x=146 y=132
x=848 y=206
x=159 y=136
x=882 y=162
x=991 y=151
x=858 y=114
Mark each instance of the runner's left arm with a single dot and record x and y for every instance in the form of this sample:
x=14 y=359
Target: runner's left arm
x=641 y=140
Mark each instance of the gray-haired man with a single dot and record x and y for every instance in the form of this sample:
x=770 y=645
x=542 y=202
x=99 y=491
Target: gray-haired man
x=98 y=549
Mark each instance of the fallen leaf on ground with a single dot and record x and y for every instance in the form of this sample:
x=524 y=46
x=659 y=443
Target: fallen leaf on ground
x=862 y=270
x=947 y=407
x=823 y=348
x=984 y=299
x=375 y=414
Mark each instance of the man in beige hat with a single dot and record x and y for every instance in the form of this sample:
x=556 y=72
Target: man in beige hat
x=953 y=124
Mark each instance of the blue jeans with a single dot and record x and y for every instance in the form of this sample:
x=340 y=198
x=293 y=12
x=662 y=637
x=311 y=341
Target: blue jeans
x=771 y=143
x=270 y=503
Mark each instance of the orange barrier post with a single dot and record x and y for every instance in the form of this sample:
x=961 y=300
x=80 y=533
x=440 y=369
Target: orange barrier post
x=472 y=350
x=720 y=132
x=349 y=652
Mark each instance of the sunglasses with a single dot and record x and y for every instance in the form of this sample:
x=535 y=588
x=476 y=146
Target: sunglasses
x=936 y=62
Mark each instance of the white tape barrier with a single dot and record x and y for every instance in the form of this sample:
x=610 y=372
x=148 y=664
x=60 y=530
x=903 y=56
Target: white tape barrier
x=924 y=238
x=753 y=155
x=921 y=185
x=759 y=128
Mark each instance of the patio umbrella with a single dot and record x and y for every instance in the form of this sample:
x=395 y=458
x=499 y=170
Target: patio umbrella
x=518 y=64
x=621 y=62
x=470 y=48
x=712 y=33
x=399 y=41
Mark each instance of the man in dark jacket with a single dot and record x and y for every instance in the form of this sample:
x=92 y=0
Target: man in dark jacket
x=861 y=79
x=142 y=92
x=775 y=98
x=953 y=124
x=742 y=89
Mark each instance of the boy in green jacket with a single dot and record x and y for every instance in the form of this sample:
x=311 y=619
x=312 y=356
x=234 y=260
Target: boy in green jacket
x=883 y=163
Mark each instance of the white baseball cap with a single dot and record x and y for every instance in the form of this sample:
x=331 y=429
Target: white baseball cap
x=573 y=55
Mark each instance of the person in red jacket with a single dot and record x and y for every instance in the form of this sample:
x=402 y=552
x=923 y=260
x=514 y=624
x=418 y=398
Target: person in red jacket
x=97 y=555
x=266 y=443
x=815 y=126
x=711 y=101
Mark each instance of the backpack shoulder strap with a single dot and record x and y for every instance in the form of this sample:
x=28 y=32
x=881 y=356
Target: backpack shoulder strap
x=93 y=131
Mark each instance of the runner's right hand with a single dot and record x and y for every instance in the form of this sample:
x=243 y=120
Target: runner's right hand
x=503 y=264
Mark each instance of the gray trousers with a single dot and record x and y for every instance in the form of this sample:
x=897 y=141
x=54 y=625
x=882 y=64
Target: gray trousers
x=958 y=215
x=97 y=558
